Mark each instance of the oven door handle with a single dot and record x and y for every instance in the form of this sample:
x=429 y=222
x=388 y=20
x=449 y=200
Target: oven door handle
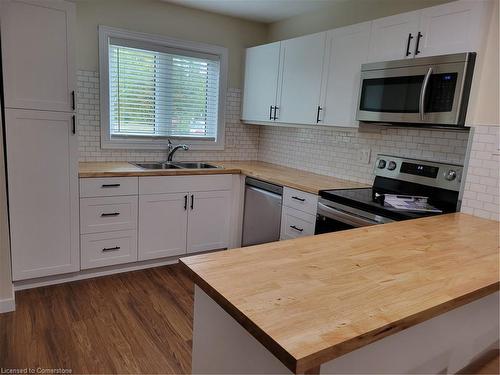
x=423 y=93
x=344 y=217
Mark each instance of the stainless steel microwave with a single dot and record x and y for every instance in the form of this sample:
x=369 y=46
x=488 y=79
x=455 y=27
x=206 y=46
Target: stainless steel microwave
x=429 y=90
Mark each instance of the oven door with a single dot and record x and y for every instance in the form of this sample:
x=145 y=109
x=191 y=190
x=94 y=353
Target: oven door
x=333 y=217
x=429 y=94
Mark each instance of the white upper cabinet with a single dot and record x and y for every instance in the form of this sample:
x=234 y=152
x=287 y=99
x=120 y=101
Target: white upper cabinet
x=347 y=49
x=38 y=56
x=42 y=164
x=451 y=28
x=301 y=79
x=393 y=38
x=261 y=82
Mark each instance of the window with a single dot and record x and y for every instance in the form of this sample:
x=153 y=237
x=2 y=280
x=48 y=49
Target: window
x=154 y=89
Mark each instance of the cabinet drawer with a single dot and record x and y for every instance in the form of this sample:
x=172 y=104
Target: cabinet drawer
x=108 y=187
x=295 y=223
x=108 y=214
x=106 y=249
x=300 y=200
x=180 y=184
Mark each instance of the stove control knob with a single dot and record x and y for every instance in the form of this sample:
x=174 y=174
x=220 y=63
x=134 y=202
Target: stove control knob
x=450 y=175
x=391 y=166
x=381 y=164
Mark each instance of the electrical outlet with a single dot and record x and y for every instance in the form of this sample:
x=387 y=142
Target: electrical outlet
x=364 y=155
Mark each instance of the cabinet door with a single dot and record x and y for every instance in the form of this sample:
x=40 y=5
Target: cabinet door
x=42 y=165
x=261 y=81
x=301 y=79
x=208 y=220
x=38 y=56
x=162 y=225
x=390 y=36
x=451 y=28
x=347 y=49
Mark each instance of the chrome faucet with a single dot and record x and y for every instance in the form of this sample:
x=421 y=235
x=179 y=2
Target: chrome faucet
x=171 y=149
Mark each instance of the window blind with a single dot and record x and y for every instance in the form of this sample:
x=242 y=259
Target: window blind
x=160 y=94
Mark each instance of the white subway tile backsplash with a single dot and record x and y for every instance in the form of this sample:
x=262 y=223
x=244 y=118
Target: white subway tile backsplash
x=241 y=143
x=336 y=151
x=482 y=191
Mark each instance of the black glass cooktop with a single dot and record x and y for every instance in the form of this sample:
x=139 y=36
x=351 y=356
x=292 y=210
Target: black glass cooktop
x=363 y=199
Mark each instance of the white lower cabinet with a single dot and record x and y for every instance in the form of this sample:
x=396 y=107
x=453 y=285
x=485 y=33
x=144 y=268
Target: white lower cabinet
x=208 y=221
x=106 y=249
x=108 y=221
x=42 y=166
x=298 y=215
x=162 y=225
x=295 y=223
x=183 y=214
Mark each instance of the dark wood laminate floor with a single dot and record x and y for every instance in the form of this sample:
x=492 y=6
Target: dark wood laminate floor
x=136 y=322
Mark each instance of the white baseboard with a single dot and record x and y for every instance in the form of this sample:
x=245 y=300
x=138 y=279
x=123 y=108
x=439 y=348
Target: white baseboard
x=91 y=273
x=8 y=304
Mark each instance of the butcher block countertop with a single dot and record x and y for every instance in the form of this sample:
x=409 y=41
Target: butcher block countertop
x=312 y=299
x=277 y=174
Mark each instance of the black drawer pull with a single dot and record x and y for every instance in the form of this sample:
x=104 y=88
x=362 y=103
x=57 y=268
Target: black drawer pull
x=73 y=102
x=110 y=185
x=110 y=214
x=185 y=202
x=192 y=201
x=73 y=124
x=299 y=199
x=271 y=112
x=294 y=227
x=111 y=248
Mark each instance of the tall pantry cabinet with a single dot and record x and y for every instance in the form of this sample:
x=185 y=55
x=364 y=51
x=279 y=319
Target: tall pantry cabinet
x=42 y=147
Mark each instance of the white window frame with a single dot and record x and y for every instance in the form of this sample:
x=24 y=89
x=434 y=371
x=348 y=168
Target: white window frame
x=152 y=143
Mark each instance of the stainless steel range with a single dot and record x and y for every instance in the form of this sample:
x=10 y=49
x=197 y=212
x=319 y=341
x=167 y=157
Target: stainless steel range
x=403 y=189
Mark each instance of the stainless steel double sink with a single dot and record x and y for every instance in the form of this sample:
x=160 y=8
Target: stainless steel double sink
x=175 y=165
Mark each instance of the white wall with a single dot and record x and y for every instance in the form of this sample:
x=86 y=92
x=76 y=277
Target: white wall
x=6 y=291
x=158 y=17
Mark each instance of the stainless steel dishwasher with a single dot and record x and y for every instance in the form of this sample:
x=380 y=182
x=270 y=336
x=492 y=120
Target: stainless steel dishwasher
x=262 y=215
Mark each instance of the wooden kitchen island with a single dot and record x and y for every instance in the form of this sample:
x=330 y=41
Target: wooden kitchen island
x=412 y=296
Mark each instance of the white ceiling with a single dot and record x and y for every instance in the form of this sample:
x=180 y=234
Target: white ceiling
x=256 y=10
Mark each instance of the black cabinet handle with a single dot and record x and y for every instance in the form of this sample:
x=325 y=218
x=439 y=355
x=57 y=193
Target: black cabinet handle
x=299 y=199
x=73 y=124
x=110 y=214
x=298 y=229
x=110 y=185
x=73 y=104
x=185 y=202
x=275 y=108
x=419 y=36
x=317 y=114
x=111 y=248
x=192 y=201
x=410 y=37
x=271 y=112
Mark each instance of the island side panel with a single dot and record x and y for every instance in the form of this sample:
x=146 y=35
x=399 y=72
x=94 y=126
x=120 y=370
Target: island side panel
x=222 y=346
x=442 y=345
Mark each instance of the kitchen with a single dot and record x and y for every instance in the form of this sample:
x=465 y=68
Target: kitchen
x=138 y=134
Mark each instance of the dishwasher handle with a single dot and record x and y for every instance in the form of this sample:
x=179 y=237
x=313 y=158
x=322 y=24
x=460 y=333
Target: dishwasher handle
x=265 y=192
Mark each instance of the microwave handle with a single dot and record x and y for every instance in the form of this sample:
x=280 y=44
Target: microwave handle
x=423 y=92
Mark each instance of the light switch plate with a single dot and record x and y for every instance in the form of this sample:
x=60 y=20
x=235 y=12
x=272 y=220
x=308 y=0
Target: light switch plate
x=364 y=155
